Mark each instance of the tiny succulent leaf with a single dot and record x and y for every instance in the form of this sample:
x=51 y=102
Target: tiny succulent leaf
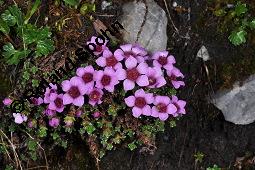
x=238 y=37
x=240 y=9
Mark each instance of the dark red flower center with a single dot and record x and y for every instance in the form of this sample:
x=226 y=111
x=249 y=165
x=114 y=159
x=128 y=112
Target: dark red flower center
x=106 y=80
x=133 y=74
x=34 y=101
x=87 y=77
x=173 y=77
x=111 y=61
x=140 y=102
x=162 y=60
x=74 y=92
x=52 y=90
x=152 y=80
x=128 y=54
x=162 y=107
x=58 y=102
x=99 y=48
x=95 y=95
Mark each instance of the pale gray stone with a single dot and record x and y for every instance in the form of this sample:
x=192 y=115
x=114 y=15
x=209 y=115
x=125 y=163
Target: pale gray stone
x=238 y=104
x=203 y=53
x=153 y=34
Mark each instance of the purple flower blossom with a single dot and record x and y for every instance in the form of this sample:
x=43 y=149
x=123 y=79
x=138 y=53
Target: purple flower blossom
x=37 y=101
x=56 y=102
x=133 y=74
x=96 y=114
x=49 y=112
x=180 y=105
x=110 y=60
x=31 y=124
x=88 y=75
x=95 y=96
x=155 y=77
x=106 y=79
x=173 y=75
x=129 y=50
x=99 y=48
x=75 y=90
x=49 y=91
x=7 y=101
x=78 y=113
x=161 y=59
x=54 y=122
x=140 y=103
x=163 y=107
x=19 y=118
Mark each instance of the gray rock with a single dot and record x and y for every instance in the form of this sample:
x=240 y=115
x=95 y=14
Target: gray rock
x=203 y=53
x=238 y=104
x=153 y=32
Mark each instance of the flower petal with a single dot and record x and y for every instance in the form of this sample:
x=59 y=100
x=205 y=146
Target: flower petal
x=67 y=99
x=136 y=112
x=131 y=62
x=130 y=101
x=142 y=81
x=128 y=85
x=101 y=61
x=147 y=110
x=66 y=85
x=79 y=101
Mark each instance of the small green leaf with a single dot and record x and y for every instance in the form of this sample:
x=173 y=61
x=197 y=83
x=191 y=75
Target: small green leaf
x=32 y=145
x=13 y=56
x=87 y=7
x=240 y=9
x=4 y=27
x=220 y=12
x=16 y=12
x=8 y=18
x=72 y=2
x=44 y=47
x=238 y=37
x=32 y=11
x=252 y=24
x=132 y=146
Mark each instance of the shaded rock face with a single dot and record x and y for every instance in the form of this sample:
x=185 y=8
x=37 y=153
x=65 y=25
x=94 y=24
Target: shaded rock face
x=238 y=104
x=146 y=24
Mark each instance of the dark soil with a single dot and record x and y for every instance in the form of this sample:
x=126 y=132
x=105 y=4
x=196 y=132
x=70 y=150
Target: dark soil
x=203 y=129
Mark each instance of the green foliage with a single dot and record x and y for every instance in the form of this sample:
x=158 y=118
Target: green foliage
x=239 y=20
x=132 y=146
x=32 y=38
x=199 y=156
x=215 y=167
x=238 y=37
x=87 y=8
x=72 y=2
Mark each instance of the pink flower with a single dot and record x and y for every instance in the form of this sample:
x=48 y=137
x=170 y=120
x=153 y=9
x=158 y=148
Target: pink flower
x=49 y=91
x=99 y=48
x=75 y=90
x=56 y=102
x=161 y=59
x=180 y=105
x=49 y=112
x=78 y=113
x=110 y=60
x=129 y=50
x=19 y=118
x=95 y=96
x=88 y=75
x=173 y=75
x=155 y=77
x=163 y=107
x=106 y=79
x=140 y=103
x=37 y=101
x=54 y=122
x=96 y=114
x=7 y=101
x=133 y=74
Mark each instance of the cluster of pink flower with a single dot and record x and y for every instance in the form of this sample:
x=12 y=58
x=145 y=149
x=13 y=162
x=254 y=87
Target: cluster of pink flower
x=129 y=65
